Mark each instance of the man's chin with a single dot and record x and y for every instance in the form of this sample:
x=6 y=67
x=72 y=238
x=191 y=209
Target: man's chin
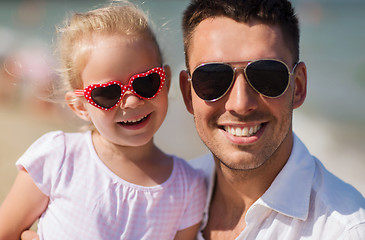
x=242 y=164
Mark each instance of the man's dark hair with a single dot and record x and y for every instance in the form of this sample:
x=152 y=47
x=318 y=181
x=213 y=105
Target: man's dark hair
x=270 y=12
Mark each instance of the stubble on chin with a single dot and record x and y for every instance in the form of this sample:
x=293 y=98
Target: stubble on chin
x=244 y=162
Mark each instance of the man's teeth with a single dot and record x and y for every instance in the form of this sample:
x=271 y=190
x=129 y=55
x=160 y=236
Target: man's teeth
x=242 y=132
x=134 y=121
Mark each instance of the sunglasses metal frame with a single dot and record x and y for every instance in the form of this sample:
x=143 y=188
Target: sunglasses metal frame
x=86 y=92
x=234 y=69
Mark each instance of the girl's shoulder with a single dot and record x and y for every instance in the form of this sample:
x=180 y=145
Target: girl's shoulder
x=54 y=148
x=51 y=154
x=60 y=145
x=60 y=140
x=59 y=137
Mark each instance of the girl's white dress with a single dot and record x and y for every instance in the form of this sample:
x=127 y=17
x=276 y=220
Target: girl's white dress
x=88 y=201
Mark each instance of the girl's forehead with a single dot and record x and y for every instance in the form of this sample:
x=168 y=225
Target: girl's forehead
x=119 y=40
x=125 y=45
x=121 y=44
x=118 y=58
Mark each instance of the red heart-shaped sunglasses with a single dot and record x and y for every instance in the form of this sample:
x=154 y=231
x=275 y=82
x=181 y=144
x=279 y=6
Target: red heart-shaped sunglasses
x=108 y=95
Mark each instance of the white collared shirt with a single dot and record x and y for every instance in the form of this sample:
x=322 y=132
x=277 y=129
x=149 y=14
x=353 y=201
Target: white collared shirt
x=305 y=201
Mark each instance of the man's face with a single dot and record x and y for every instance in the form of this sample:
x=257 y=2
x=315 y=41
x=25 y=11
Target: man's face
x=243 y=129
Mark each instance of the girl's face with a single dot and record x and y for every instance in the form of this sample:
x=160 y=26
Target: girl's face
x=118 y=57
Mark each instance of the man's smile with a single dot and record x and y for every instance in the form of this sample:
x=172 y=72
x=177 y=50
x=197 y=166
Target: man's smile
x=243 y=131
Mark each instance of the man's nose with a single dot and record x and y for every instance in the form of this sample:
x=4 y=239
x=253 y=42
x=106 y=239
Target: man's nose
x=242 y=98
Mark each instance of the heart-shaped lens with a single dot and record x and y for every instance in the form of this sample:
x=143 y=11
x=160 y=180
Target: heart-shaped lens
x=147 y=86
x=106 y=96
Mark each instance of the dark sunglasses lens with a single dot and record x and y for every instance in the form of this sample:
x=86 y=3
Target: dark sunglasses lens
x=147 y=86
x=211 y=81
x=106 y=97
x=268 y=77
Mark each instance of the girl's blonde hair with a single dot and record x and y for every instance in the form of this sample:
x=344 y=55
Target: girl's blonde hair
x=75 y=38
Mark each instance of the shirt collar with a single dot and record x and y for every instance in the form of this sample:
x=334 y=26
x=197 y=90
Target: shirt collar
x=289 y=194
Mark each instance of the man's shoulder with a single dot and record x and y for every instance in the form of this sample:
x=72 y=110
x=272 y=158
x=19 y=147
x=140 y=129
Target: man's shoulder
x=340 y=199
x=204 y=163
x=332 y=189
x=327 y=188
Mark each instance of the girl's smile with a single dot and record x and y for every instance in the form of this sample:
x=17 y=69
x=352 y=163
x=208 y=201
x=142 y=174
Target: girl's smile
x=136 y=123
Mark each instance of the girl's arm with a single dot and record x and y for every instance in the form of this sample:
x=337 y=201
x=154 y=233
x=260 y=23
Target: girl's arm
x=188 y=233
x=21 y=207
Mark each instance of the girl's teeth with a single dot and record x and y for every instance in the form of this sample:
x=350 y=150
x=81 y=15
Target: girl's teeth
x=243 y=132
x=134 y=121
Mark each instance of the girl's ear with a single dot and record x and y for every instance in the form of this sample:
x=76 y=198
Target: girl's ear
x=300 y=87
x=77 y=105
x=168 y=76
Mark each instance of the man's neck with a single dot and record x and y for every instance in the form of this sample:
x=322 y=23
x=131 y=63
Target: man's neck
x=241 y=188
x=235 y=191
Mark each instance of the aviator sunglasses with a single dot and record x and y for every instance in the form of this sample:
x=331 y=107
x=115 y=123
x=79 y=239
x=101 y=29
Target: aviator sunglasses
x=268 y=77
x=108 y=95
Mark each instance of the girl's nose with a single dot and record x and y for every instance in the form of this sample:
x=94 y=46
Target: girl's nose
x=130 y=100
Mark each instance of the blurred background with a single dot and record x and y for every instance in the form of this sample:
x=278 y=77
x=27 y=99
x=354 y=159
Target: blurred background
x=331 y=122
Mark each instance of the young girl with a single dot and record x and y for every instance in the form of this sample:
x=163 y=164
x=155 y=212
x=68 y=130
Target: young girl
x=111 y=182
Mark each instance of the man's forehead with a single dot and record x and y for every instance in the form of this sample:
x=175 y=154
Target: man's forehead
x=224 y=39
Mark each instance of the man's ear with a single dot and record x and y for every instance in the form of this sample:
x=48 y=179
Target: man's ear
x=77 y=105
x=168 y=76
x=300 y=87
x=185 y=88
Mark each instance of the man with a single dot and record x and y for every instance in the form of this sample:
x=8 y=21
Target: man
x=243 y=80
